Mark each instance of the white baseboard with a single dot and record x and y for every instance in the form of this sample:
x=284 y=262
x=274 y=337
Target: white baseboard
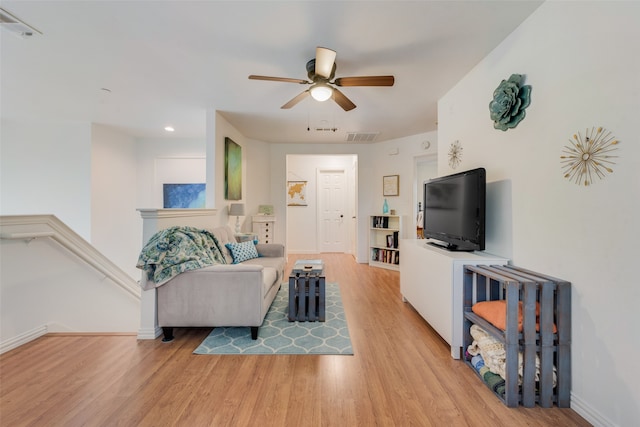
x=149 y=333
x=31 y=335
x=23 y=338
x=589 y=413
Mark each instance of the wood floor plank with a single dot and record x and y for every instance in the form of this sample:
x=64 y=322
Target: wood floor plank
x=401 y=374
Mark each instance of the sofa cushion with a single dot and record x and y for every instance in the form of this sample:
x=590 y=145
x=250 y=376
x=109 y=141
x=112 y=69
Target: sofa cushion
x=277 y=263
x=242 y=251
x=224 y=235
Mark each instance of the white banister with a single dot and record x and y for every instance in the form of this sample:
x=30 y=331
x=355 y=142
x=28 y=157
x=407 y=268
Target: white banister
x=26 y=236
x=71 y=241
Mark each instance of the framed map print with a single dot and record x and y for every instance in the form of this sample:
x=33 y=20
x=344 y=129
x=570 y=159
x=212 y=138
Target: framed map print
x=296 y=193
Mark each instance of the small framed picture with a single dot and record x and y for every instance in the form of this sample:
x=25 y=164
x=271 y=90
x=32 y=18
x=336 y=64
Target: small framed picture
x=391 y=185
x=265 y=209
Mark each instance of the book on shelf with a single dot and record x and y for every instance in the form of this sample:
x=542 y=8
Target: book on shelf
x=393 y=240
x=380 y=222
x=386 y=256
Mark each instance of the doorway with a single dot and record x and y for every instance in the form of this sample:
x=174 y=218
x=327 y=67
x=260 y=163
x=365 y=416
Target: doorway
x=424 y=168
x=328 y=220
x=332 y=208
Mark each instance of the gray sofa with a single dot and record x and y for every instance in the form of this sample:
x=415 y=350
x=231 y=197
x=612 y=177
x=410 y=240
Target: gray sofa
x=225 y=294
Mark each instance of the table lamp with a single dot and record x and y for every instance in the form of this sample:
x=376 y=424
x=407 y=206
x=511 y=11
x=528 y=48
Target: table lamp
x=237 y=210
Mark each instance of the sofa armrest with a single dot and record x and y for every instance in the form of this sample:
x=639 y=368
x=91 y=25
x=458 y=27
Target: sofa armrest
x=270 y=249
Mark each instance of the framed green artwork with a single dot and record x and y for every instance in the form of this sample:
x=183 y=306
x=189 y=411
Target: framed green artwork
x=232 y=170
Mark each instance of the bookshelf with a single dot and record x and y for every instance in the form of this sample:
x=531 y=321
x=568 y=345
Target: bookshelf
x=385 y=232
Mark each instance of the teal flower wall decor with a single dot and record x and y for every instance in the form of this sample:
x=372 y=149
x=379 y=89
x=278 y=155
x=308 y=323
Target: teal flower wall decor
x=510 y=99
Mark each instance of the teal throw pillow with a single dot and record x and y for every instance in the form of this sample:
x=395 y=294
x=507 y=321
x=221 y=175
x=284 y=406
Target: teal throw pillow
x=242 y=251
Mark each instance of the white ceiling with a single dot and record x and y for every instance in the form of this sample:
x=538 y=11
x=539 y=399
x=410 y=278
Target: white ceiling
x=167 y=62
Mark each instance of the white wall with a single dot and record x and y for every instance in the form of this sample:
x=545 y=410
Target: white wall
x=426 y=168
x=397 y=157
x=581 y=59
x=171 y=154
x=256 y=171
x=115 y=224
x=302 y=221
x=224 y=129
x=279 y=153
x=187 y=160
x=178 y=170
x=374 y=162
x=58 y=294
x=46 y=169
x=258 y=176
x=55 y=168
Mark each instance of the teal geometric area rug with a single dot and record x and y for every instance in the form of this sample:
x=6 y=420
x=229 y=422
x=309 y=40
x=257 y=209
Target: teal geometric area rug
x=279 y=336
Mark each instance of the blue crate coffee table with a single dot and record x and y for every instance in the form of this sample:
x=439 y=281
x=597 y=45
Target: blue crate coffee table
x=307 y=291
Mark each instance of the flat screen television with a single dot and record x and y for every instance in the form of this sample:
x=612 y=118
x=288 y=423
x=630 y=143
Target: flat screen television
x=454 y=210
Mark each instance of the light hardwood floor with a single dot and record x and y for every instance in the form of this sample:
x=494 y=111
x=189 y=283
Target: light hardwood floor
x=401 y=375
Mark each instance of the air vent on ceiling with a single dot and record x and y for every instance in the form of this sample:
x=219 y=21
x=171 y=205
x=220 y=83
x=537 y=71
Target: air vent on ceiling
x=16 y=26
x=361 y=136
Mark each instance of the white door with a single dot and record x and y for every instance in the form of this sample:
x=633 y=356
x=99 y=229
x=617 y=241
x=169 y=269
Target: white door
x=332 y=211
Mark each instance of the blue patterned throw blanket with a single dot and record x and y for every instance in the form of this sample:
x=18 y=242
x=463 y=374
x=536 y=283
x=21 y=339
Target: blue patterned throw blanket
x=175 y=250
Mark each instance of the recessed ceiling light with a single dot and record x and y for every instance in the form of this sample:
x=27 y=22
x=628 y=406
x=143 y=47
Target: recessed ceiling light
x=169 y=128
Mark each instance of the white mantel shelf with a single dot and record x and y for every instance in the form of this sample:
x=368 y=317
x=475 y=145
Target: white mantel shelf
x=174 y=212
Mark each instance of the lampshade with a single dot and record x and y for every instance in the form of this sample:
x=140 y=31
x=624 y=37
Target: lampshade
x=321 y=92
x=236 y=209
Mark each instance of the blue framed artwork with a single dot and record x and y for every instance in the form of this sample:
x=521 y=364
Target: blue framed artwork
x=184 y=195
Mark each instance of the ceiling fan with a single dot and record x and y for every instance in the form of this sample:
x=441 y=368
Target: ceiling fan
x=321 y=70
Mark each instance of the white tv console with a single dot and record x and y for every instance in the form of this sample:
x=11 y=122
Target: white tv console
x=431 y=281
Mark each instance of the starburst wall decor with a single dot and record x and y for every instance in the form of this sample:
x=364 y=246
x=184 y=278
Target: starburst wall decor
x=589 y=157
x=455 y=154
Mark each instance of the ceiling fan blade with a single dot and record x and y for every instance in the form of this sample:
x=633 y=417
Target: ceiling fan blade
x=279 y=79
x=296 y=99
x=365 y=81
x=342 y=100
x=325 y=59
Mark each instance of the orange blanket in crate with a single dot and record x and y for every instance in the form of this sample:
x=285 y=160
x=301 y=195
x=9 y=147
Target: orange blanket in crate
x=495 y=312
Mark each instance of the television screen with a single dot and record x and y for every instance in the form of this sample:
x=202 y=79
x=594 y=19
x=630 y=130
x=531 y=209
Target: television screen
x=454 y=210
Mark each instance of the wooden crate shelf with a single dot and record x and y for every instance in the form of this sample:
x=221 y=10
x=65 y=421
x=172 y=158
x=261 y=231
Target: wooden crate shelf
x=546 y=336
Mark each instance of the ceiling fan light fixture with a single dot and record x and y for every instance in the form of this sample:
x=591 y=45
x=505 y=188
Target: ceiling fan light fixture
x=321 y=71
x=321 y=92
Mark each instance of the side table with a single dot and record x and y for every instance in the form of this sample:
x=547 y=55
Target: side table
x=307 y=291
x=245 y=237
